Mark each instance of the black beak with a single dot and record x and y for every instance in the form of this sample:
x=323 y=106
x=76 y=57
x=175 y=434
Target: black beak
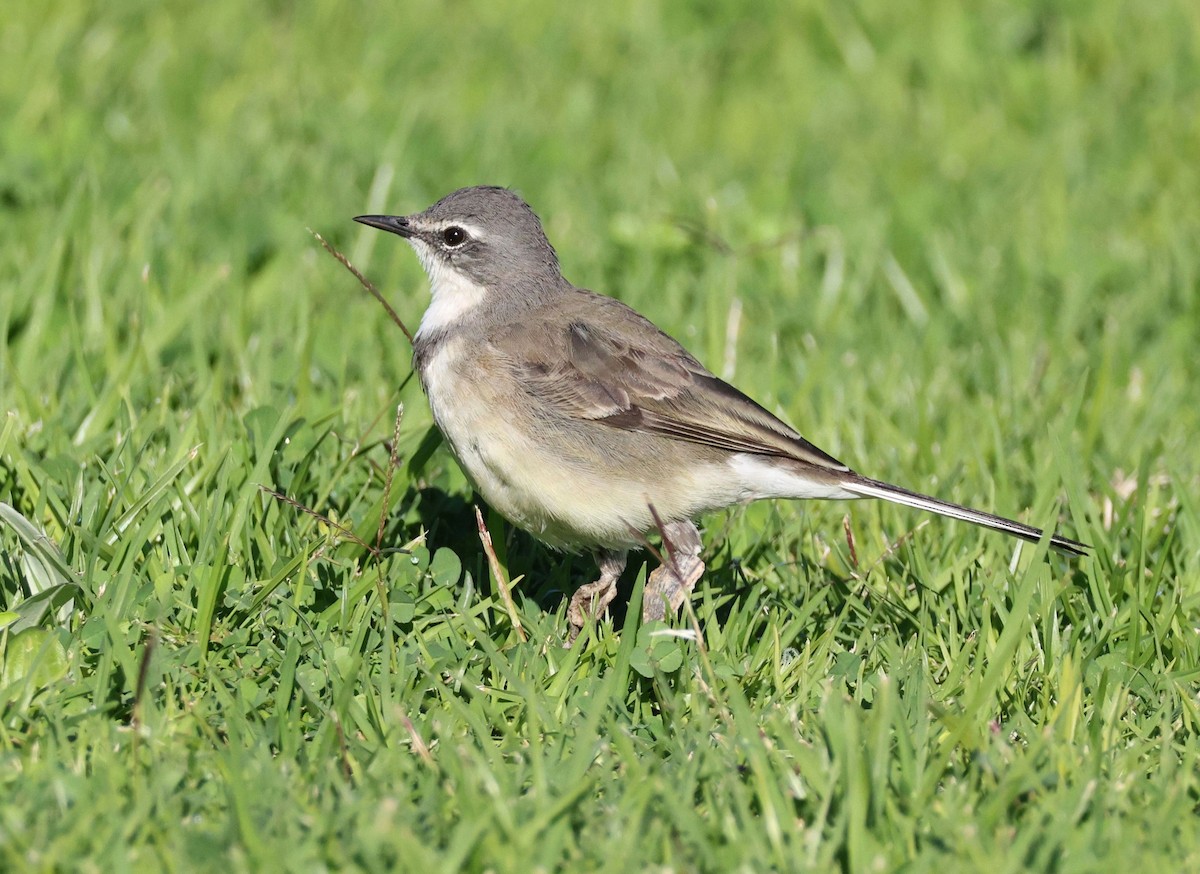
x=396 y=224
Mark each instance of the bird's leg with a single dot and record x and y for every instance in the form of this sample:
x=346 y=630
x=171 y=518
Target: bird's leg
x=672 y=581
x=592 y=599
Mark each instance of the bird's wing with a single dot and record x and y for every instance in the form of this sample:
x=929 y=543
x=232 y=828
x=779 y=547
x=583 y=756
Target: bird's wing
x=606 y=364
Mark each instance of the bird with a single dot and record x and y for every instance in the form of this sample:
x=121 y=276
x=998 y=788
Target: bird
x=584 y=424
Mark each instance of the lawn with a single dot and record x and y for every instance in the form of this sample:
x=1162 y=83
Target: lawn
x=247 y=620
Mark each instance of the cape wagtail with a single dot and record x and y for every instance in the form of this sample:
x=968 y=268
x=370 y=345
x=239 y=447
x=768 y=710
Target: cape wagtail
x=584 y=424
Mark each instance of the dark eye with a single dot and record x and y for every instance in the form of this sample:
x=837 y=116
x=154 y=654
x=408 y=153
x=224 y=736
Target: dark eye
x=454 y=236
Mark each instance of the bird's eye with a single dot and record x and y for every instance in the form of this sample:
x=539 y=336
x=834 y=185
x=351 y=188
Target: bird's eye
x=454 y=236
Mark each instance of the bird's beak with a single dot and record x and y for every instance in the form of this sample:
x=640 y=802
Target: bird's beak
x=396 y=224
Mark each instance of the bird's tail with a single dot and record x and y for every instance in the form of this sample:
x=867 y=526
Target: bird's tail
x=870 y=488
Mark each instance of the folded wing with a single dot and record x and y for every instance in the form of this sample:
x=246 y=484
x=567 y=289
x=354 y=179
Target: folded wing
x=637 y=378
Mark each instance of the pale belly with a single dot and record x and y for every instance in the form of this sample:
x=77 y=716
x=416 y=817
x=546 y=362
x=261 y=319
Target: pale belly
x=542 y=479
x=576 y=484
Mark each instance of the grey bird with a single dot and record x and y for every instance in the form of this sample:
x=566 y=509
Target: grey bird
x=587 y=426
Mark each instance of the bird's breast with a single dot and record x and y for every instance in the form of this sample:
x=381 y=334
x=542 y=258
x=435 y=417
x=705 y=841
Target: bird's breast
x=568 y=482
x=480 y=417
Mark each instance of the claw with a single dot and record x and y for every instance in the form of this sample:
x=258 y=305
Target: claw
x=592 y=599
x=671 y=582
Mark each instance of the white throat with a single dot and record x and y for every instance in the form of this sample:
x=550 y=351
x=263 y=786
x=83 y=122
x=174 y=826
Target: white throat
x=454 y=295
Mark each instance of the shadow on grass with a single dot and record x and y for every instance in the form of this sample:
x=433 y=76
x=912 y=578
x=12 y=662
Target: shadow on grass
x=547 y=578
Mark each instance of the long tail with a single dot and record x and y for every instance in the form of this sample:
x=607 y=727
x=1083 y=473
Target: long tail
x=870 y=488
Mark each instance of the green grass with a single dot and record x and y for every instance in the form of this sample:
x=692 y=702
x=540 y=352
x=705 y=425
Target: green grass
x=965 y=250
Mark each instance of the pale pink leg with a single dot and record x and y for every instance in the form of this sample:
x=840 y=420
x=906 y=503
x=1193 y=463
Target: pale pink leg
x=592 y=599
x=671 y=583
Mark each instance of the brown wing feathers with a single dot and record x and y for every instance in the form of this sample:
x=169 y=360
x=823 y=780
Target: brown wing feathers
x=645 y=381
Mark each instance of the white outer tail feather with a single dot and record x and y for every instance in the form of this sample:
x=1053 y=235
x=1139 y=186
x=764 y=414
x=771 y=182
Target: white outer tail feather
x=869 y=488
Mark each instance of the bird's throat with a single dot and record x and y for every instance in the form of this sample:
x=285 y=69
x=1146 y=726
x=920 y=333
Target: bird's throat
x=454 y=296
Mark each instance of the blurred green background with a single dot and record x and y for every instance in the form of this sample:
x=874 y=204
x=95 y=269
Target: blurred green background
x=956 y=245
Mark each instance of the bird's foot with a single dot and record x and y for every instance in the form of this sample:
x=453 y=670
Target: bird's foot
x=592 y=599
x=589 y=600
x=671 y=582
